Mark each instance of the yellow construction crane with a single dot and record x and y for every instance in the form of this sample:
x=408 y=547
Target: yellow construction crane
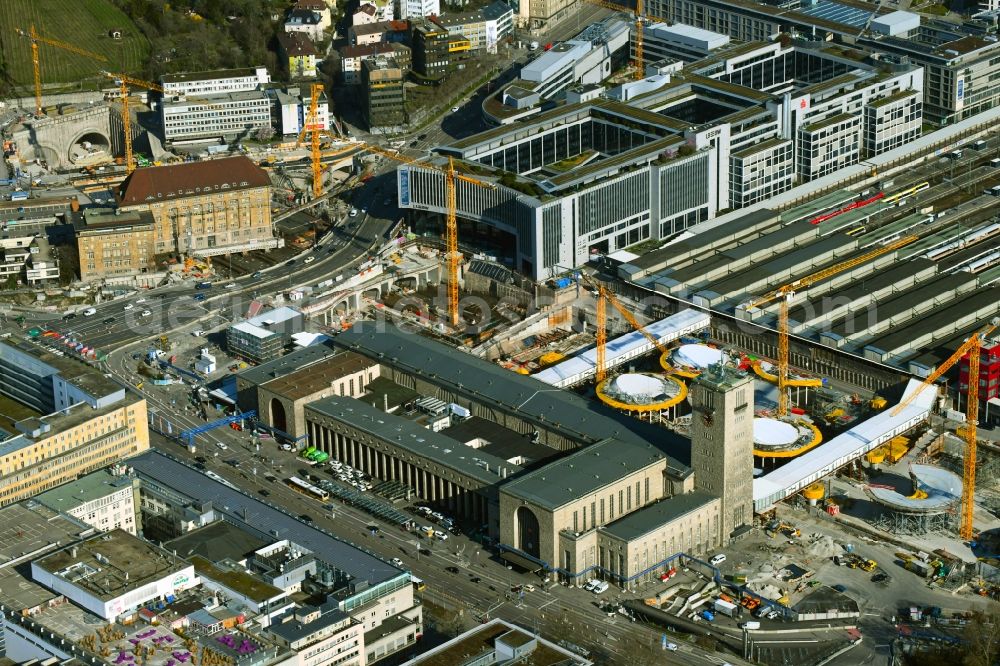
x=640 y=18
x=972 y=347
x=451 y=177
x=312 y=126
x=785 y=293
x=37 y=39
x=124 y=81
x=605 y=296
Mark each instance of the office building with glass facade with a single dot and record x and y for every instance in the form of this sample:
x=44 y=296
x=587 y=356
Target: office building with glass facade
x=730 y=130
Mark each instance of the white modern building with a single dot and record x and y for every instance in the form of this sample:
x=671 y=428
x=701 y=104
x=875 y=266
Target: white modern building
x=597 y=176
x=292 y=109
x=661 y=41
x=113 y=574
x=585 y=60
x=106 y=500
x=214 y=82
x=409 y=9
x=215 y=117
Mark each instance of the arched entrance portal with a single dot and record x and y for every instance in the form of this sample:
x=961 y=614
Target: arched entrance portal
x=527 y=531
x=278 y=418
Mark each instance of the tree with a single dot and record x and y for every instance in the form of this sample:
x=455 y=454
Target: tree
x=264 y=134
x=982 y=639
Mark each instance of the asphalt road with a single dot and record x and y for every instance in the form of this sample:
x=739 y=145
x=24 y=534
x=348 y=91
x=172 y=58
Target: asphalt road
x=173 y=308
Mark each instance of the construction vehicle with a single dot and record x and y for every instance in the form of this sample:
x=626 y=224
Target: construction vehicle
x=973 y=348
x=37 y=39
x=785 y=293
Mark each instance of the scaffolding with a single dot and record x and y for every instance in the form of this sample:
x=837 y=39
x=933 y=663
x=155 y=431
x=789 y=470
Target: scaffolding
x=902 y=523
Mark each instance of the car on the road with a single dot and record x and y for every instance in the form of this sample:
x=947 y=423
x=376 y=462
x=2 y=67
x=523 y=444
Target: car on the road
x=310 y=259
x=231 y=285
x=882 y=578
x=146 y=313
x=263 y=492
x=452 y=570
x=290 y=262
x=203 y=285
x=140 y=300
x=89 y=312
x=364 y=210
x=353 y=213
x=305 y=517
x=475 y=579
x=199 y=297
x=454 y=109
x=222 y=446
x=422 y=137
x=396 y=562
x=198 y=333
x=128 y=306
x=672 y=647
x=257 y=275
x=69 y=315
x=840 y=588
x=109 y=320
x=201 y=459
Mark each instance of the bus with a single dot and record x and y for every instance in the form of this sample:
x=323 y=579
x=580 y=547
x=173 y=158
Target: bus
x=298 y=485
x=418 y=584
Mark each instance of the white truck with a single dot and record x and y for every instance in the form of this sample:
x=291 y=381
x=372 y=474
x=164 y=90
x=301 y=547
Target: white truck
x=725 y=607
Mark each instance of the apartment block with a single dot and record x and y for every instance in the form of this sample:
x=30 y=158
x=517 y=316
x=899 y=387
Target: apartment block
x=383 y=82
x=27 y=260
x=73 y=421
x=203 y=208
x=298 y=54
x=106 y=500
x=485 y=28
x=429 y=42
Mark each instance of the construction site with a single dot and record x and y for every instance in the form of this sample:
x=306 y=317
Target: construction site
x=847 y=312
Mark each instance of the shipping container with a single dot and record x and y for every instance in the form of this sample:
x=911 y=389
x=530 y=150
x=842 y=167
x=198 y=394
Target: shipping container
x=725 y=607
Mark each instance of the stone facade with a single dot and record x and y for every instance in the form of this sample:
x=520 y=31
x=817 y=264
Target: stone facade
x=722 y=444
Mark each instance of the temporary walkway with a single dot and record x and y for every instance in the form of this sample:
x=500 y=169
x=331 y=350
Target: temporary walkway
x=624 y=348
x=839 y=451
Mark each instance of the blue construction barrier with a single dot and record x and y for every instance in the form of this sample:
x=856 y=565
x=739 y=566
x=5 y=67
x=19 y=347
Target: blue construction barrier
x=188 y=436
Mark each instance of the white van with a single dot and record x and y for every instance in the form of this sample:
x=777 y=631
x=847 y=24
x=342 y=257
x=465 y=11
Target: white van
x=750 y=626
x=717 y=559
x=89 y=312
